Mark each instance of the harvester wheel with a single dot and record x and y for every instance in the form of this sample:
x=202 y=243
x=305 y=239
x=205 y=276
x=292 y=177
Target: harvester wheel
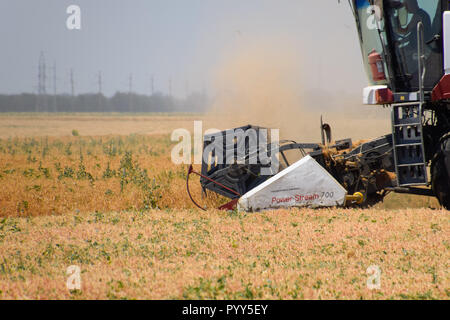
x=440 y=173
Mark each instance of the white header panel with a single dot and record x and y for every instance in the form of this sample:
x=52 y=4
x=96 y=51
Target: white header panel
x=446 y=31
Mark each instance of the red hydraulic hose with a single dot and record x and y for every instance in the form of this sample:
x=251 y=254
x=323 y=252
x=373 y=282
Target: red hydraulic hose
x=191 y=170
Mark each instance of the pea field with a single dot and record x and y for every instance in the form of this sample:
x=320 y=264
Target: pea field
x=100 y=192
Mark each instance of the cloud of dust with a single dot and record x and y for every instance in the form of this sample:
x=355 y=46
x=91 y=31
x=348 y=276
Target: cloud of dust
x=263 y=84
x=260 y=84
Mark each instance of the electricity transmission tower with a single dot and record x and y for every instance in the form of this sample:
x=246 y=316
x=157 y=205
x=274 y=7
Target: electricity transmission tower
x=42 y=78
x=55 y=108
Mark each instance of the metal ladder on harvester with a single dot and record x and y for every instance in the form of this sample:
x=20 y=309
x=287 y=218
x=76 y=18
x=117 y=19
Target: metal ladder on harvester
x=407 y=130
x=409 y=151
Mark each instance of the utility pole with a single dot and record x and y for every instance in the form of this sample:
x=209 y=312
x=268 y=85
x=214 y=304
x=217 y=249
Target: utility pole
x=130 y=83
x=41 y=74
x=99 y=82
x=100 y=106
x=72 y=90
x=170 y=87
x=152 y=85
x=54 y=77
x=130 y=90
x=55 y=108
x=72 y=83
x=187 y=88
x=42 y=78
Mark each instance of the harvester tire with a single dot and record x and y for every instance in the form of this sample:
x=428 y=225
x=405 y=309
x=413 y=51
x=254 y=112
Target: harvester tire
x=440 y=172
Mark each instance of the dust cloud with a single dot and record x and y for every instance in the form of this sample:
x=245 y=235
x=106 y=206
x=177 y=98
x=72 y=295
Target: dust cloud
x=264 y=84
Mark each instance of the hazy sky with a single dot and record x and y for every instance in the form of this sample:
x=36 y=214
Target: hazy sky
x=179 y=39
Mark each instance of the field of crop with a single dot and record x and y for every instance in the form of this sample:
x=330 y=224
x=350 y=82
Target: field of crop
x=101 y=192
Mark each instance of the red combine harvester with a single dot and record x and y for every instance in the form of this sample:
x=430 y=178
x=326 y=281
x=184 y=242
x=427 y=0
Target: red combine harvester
x=405 y=46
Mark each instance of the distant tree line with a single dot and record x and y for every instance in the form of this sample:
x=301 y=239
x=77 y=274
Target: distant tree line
x=120 y=102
